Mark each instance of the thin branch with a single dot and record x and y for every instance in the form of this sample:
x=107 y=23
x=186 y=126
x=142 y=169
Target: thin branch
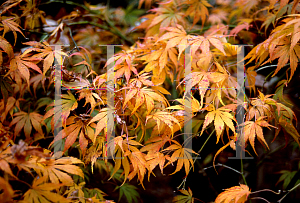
x=267 y=190
x=225 y=166
x=289 y=192
x=71 y=35
x=242 y=172
x=260 y=198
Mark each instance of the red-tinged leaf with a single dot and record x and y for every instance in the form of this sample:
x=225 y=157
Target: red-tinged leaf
x=217 y=43
x=237 y=194
x=251 y=74
x=239 y=28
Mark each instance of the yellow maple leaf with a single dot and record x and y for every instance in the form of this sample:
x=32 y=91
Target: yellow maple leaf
x=221 y=117
x=57 y=169
x=41 y=192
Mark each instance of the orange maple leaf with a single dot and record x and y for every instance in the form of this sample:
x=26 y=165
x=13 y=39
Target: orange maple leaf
x=253 y=129
x=9 y=24
x=236 y=194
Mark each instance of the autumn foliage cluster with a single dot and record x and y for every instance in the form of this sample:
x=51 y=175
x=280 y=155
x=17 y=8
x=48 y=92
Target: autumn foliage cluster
x=150 y=92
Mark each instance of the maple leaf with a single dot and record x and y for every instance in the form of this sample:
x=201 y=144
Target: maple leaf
x=102 y=119
x=247 y=6
x=26 y=121
x=220 y=116
x=89 y=97
x=22 y=64
x=203 y=79
x=236 y=194
x=217 y=16
x=9 y=24
x=239 y=28
x=142 y=80
x=183 y=157
x=197 y=10
x=148 y=3
x=9 y=4
x=87 y=59
x=6 y=47
x=7 y=191
x=75 y=190
x=7 y=107
x=4 y=162
x=195 y=105
x=41 y=192
x=288 y=128
x=56 y=170
x=164 y=117
x=251 y=74
x=125 y=149
x=166 y=17
x=155 y=144
x=175 y=36
x=157 y=56
x=286 y=52
x=231 y=143
x=33 y=15
x=153 y=159
x=253 y=129
x=77 y=126
x=37 y=79
x=129 y=191
x=123 y=65
x=261 y=107
x=144 y=95
x=186 y=196
x=68 y=104
x=44 y=52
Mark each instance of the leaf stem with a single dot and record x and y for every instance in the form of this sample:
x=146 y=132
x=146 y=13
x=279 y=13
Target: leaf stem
x=225 y=166
x=242 y=172
x=289 y=192
x=260 y=198
x=267 y=190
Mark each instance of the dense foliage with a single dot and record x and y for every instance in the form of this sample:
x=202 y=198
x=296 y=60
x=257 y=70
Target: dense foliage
x=151 y=84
